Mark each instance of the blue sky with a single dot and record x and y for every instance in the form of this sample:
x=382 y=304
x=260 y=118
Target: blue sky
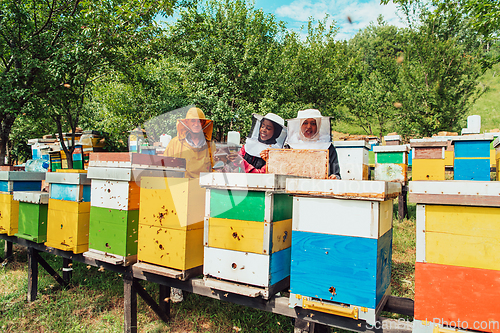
x=297 y=12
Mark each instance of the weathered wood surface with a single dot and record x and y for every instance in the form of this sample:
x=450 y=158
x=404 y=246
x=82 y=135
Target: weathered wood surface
x=420 y=143
x=129 y=305
x=67 y=178
x=142 y=268
x=428 y=152
x=130 y=160
x=244 y=181
x=344 y=189
x=311 y=163
x=32 y=274
x=36 y=197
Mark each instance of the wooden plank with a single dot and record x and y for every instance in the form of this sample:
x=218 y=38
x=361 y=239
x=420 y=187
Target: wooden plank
x=393 y=149
x=232 y=287
x=451 y=199
x=344 y=189
x=340 y=268
x=144 y=268
x=463 y=236
x=311 y=163
x=355 y=218
x=21 y=176
x=110 y=258
x=244 y=181
x=428 y=153
x=32 y=274
x=465 y=188
x=129 y=160
x=150 y=301
x=164 y=300
x=129 y=305
x=67 y=178
x=173 y=248
x=427 y=143
x=453 y=293
x=50 y=270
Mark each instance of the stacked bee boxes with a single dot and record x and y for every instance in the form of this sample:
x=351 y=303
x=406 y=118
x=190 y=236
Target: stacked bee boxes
x=428 y=159
x=353 y=159
x=247 y=233
x=392 y=140
x=11 y=181
x=32 y=215
x=115 y=197
x=69 y=210
x=457 y=271
x=341 y=246
x=391 y=163
x=496 y=144
x=472 y=157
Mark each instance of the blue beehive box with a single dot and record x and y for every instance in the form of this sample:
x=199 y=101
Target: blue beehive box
x=472 y=157
x=341 y=262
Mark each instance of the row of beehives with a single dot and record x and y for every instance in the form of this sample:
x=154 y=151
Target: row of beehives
x=247 y=230
x=470 y=156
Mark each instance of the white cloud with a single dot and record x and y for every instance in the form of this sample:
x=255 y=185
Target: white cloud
x=361 y=14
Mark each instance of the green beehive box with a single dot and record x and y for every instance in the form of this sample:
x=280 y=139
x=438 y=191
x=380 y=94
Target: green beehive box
x=32 y=215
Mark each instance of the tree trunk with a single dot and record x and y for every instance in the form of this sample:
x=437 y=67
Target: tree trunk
x=5 y=128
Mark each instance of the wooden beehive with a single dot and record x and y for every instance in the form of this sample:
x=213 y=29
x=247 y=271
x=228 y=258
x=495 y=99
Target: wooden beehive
x=68 y=210
x=457 y=269
x=391 y=163
x=32 y=215
x=341 y=246
x=392 y=140
x=312 y=163
x=115 y=199
x=472 y=157
x=11 y=181
x=428 y=159
x=353 y=159
x=247 y=233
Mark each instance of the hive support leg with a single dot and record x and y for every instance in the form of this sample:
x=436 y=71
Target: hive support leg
x=50 y=270
x=130 y=305
x=164 y=300
x=302 y=326
x=402 y=204
x=8 y=250
x=32 y=274
x=151 y=302
x=67 y=269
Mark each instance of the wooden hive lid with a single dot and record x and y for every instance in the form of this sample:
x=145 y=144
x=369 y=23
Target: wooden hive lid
x=478 y=137
x=136 y=160
x=344 y=189
x=36 y=197
x=428 y=143
x=455 y=192
x=352 y=144
x=22 y=176
x=128 y=174
x=496 y=143
x=391 y=149
x=71 y=178
x=245 y=181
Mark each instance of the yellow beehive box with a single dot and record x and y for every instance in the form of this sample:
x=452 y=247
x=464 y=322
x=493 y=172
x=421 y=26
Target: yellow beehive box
x=428 y=169
x=9 y=210
x=176 y=203
x=68 y=225
x=173 y=248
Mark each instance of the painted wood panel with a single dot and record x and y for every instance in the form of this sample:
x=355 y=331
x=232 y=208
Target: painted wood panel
x=347 y=189
x=173 y=248
x=248 y=236
x=32 y=222
x=67 y=231
x=255 y=269
x=35 y=197
x=237 y=204
x=282 y=206
x=390 y=157
x=449 y=157
x=21 y=176
x=355 y=218
x=463 y=236
x=479 y=148
x=10 y=186
x=9 y=211
x=341 y=268
x=428 y=169
x=114 y=231
x=311 y=163
x=129 y=160
x=244 y=181
x=391 y=172
x=428 y=153
x=70 y=192
x=454 y=293
x=471 y=169
x=69 y=206
x=352 y=162
x=177 y=203
x=73 y=177
x=115 y=194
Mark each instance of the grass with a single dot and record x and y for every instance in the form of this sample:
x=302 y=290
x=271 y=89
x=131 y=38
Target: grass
x=94 y=302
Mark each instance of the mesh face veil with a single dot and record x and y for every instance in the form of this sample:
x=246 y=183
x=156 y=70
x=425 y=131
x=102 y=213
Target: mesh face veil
x=254 y=145
x=298 y=138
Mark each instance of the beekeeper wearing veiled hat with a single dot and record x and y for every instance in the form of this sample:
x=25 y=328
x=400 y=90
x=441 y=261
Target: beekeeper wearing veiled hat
x=310 y=130
x=193 y=143
x=267 y=132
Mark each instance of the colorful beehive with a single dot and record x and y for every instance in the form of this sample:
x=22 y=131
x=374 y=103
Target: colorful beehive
x=248 y=225
x=11 y=181
x=496 y=145
x=373 y=141
x=32 y=215
x=457 y=271
x=69 y=210
x=472 y=157
x=391 y=163
x=171 y=223
x=392 y=140
x=493 y=160
x=353 y=159
x=115 y=195
x=449 y=151
x=428 y=159
x=341 y=246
